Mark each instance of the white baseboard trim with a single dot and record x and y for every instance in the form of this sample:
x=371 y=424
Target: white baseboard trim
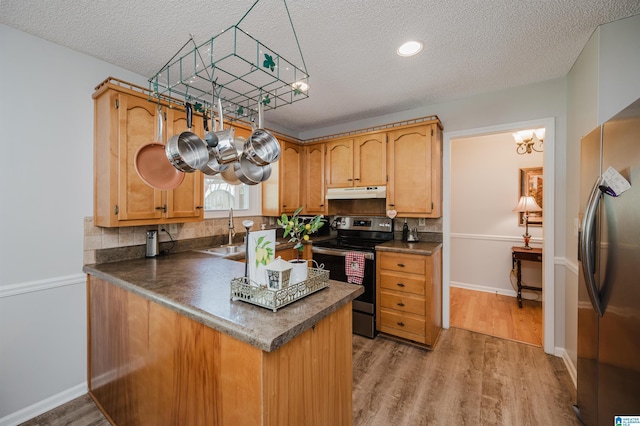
x=41 y=285
x=45 y=405
x=562 y=353
x=494 y=290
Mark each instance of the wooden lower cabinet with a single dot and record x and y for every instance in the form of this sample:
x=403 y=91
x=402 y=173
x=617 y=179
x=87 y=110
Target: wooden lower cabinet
x=149 y=365
x=409 y=295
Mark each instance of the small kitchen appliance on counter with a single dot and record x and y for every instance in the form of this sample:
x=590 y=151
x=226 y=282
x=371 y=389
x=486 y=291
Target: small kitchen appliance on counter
x=357 y=235
x=152 y=244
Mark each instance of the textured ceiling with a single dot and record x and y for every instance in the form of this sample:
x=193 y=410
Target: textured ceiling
x=471 y=46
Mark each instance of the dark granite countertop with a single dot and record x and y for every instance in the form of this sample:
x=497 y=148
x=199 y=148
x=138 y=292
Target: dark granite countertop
x=424 y=248
x=197 y=285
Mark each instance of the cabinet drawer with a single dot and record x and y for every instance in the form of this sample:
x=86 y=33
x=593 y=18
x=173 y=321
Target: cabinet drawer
x=403 y=322
x=402 y=302
x=402 y=282
x=403 y=263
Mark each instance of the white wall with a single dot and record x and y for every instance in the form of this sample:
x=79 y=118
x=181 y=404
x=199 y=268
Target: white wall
x=619 y=62
x=582 y=117
x=485 y=186
x=46 y=182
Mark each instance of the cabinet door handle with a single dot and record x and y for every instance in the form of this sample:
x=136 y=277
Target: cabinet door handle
x=357 y=179
x=400 y=285
x=400 y=323
x=199 y=207
x=392 y=205
x=401 y=265
x=349 y=180
x=163 y=208
x=400 y=304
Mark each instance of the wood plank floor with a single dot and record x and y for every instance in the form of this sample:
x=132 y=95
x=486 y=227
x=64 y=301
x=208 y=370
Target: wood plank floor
x=469 y=379
x=497 y=315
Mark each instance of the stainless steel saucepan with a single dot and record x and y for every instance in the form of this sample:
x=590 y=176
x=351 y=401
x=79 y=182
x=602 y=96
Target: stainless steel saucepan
x=225 y=151
x=186 y=151
x=261 y=148
x=250 y=173
x=229 y=175
x=212 y=167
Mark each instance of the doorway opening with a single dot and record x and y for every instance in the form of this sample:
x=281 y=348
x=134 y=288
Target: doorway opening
x=481 y=188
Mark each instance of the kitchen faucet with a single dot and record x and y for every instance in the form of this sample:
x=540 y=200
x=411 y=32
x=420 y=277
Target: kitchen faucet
x=232 y=231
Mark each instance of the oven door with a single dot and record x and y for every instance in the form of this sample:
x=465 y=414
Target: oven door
x=364 y=306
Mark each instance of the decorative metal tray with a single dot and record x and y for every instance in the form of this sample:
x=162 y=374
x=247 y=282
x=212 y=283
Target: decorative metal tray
x=276 y=299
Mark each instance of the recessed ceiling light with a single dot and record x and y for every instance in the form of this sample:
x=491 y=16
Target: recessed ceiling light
x=410 y=48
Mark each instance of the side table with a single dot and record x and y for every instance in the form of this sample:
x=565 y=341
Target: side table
x=519 y=254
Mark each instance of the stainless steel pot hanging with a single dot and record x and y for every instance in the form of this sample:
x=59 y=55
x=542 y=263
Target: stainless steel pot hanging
x=212 y=167
x=261 y=148
x=186 y=151
x=226 y=150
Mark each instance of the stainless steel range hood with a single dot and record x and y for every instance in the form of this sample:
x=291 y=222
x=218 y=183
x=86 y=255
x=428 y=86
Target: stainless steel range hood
x=356 y=193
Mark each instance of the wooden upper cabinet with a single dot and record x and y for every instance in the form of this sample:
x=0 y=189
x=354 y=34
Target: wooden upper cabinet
x=359 y=161
x=187 y=200
x=291 y=174
x=281 y=193
x=415 y=171
x=137 y=126
x=340 y=163
x=370 y=160
x=314 y=179
x=124 y=121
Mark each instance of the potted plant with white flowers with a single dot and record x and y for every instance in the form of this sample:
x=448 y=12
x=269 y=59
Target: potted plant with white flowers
x=298 y=232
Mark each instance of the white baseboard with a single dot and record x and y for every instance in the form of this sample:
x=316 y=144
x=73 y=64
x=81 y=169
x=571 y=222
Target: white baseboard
x=43 y=406
x=493 y=290
x=562 y=353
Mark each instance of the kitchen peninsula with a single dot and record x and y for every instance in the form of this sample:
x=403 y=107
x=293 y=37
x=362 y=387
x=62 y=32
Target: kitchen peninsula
x=167 y=345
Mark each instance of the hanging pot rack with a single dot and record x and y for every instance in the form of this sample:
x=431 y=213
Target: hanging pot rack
x=235 y=67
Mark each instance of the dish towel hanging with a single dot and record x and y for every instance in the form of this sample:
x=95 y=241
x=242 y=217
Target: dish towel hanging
x=354 y=267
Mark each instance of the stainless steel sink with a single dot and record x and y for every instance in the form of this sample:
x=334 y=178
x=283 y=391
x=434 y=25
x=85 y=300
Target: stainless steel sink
x=225 y=250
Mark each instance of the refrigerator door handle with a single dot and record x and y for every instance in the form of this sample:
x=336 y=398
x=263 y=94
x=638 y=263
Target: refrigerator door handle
x=586 y=243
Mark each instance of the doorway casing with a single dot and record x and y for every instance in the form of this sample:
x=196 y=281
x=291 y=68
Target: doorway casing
x=548 y=304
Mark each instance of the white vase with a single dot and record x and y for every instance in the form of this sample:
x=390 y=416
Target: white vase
x=299 y=271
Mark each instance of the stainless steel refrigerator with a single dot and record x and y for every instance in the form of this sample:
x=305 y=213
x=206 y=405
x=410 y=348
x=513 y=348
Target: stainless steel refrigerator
x=609 y=277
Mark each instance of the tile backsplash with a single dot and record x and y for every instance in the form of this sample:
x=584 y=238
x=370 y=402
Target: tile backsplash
x=98 y=240
x=112 y=244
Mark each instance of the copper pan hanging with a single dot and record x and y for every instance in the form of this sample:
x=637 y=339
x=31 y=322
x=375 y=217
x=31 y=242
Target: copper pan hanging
x=152 y=165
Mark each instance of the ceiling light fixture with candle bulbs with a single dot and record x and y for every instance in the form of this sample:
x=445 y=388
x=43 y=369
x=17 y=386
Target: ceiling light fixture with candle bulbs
x=529 y=140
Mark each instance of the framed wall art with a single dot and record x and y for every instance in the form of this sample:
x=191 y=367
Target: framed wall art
x=532 y=183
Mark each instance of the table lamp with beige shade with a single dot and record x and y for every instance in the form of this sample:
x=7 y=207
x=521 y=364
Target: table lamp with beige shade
x=527 y=204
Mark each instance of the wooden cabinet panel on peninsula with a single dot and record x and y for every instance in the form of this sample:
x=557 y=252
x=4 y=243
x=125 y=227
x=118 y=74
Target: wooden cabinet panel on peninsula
x=358 y=161
x=409 y=294
x=314 y=179
x=415 y=171
x=124 y=121
x=281 y=192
